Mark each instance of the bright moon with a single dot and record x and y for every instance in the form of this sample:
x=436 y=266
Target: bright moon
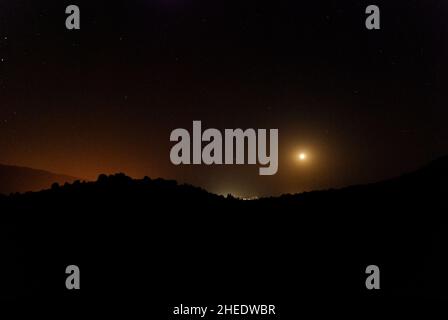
x=302 y=156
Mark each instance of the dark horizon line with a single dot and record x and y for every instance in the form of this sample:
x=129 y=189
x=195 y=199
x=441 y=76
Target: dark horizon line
x=81 y=180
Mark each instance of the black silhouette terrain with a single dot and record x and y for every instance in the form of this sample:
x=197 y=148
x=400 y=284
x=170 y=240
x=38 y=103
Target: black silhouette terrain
x=21 y=179
x=139 y=239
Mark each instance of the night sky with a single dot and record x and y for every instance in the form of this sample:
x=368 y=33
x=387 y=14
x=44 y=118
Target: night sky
x=364 y=105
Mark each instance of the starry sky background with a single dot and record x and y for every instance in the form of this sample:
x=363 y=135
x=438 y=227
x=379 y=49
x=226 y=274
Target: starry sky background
x=367 y=105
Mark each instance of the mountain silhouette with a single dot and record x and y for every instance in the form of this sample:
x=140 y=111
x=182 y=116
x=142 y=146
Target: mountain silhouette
x=182 y=241
x=22 y=179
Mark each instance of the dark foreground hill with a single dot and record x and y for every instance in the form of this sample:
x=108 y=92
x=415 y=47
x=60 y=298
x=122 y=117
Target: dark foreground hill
x=154 y=241
x=21 y=179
